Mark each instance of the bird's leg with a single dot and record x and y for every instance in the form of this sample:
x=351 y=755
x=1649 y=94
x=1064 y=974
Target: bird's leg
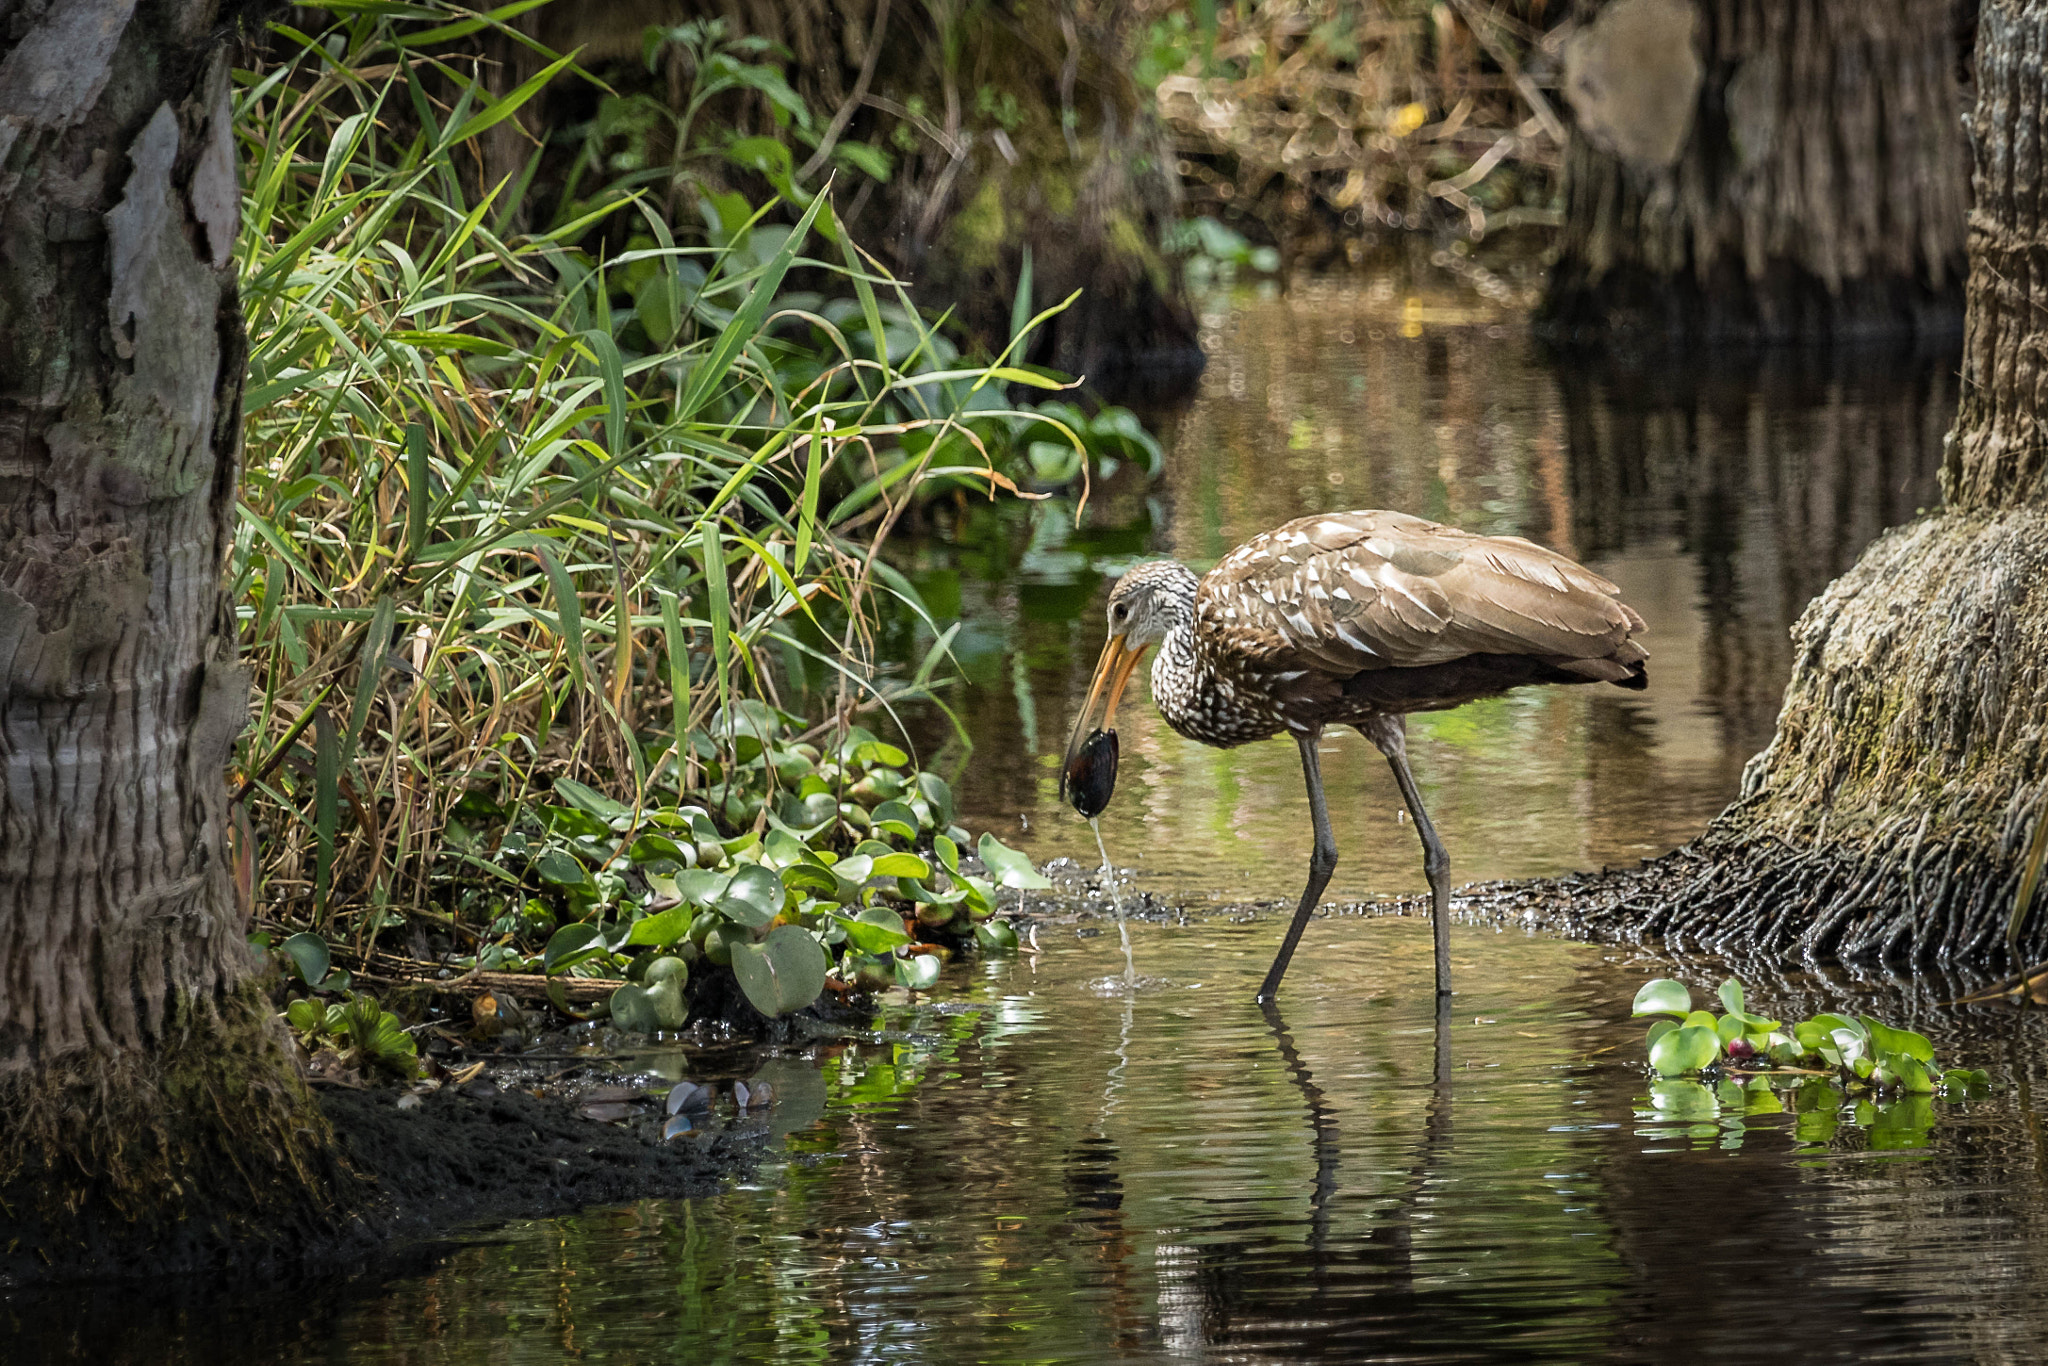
x=1321 y=864
x=1390 y=734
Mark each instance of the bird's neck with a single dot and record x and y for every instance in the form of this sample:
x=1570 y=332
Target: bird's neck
x=1202 y=699
x=1178 y=671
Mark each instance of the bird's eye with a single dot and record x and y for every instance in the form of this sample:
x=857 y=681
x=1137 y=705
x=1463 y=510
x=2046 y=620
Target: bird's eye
x=1119 y=612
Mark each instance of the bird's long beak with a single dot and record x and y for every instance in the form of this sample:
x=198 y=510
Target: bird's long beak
x=1115 y=667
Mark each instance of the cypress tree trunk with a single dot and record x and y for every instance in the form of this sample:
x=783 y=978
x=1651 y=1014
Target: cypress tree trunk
x=1891 y=813
x=148 y=1114
x=1775 y=170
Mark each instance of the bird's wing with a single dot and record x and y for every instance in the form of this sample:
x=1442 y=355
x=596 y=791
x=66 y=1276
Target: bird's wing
x=1377 y=590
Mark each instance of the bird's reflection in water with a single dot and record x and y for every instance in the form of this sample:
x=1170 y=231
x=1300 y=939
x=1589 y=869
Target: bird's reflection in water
x=1342 y=1292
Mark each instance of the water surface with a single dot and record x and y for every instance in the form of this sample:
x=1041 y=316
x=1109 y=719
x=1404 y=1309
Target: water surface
x=1028 y=1167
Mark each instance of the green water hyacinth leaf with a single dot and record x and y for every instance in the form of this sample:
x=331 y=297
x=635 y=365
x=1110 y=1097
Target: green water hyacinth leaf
x=918 y=972
x=1658 y=1029
x=877 y=752
x=309 y=955
x=646 y=1009
x=853 y=872
x=701 y=886
x=569 y=820
x=662 y=928
x=901 y=865
x=783 y=973
x=1663 y=997
x=1731 y=996
x=1703 y=1019
x=1912 y=1074
x=1686 y=1049
x=896 y=819
x=651 y=847
x=811 y=877
x=570 y=945
x=1831 y=1023
x=995 y=936
x=875 y=930
x=754 y=897
x=938 y=796
x=562 y=869
x=1887 y=1039
x=1010 y=867
x=948 y=853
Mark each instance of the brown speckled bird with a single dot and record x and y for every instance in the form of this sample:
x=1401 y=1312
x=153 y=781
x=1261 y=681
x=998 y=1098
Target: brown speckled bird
x=1357 y=619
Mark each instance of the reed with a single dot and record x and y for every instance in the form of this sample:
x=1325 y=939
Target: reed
x=521 y=509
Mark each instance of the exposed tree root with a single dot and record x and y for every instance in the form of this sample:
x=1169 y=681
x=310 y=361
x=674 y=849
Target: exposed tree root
x=1898 y=902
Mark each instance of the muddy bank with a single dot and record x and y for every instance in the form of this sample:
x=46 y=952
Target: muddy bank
x=459 y=1159
x=456 y=1161
x=504 y=1145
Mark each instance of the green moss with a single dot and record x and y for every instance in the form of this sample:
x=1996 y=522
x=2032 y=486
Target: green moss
x=1126 y=240
x=981 y=228
x=170 y=1158
x=1058 y=188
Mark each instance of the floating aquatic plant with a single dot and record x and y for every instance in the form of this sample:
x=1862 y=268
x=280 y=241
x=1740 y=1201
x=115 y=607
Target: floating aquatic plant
x=1868 y=1054
x=1715 y=1073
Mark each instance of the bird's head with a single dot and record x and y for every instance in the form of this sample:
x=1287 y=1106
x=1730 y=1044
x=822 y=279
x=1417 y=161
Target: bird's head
x=1150 y=600
x=1147 y=602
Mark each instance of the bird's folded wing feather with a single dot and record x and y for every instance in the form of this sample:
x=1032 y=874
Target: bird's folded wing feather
x=1367 y=590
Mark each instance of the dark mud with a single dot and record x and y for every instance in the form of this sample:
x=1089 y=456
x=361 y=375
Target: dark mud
x=454 y=1161
x=460 y=1159
x=504 y=1145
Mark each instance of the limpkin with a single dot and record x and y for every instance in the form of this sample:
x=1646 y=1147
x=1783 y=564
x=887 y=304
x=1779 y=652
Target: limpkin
x=1357 y=619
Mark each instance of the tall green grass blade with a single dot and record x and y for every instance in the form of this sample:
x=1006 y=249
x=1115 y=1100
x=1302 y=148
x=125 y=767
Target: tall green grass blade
x=463 y=28
x=326 y=805
x=711 y=371
x=677 y=641
x=719 y=599
x=613 y=367
x=807 y=505
x=1020 y=306
x=418 y=499
x=376 y=646
x=498 y=110
x=568 y=609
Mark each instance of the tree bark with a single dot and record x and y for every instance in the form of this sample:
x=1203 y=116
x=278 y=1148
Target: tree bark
x=1778 y=170
x=1891 y=814
x=149 y=1116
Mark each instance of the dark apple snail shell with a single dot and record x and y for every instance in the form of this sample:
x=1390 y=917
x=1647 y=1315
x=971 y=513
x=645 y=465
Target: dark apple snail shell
x=1090 y=776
